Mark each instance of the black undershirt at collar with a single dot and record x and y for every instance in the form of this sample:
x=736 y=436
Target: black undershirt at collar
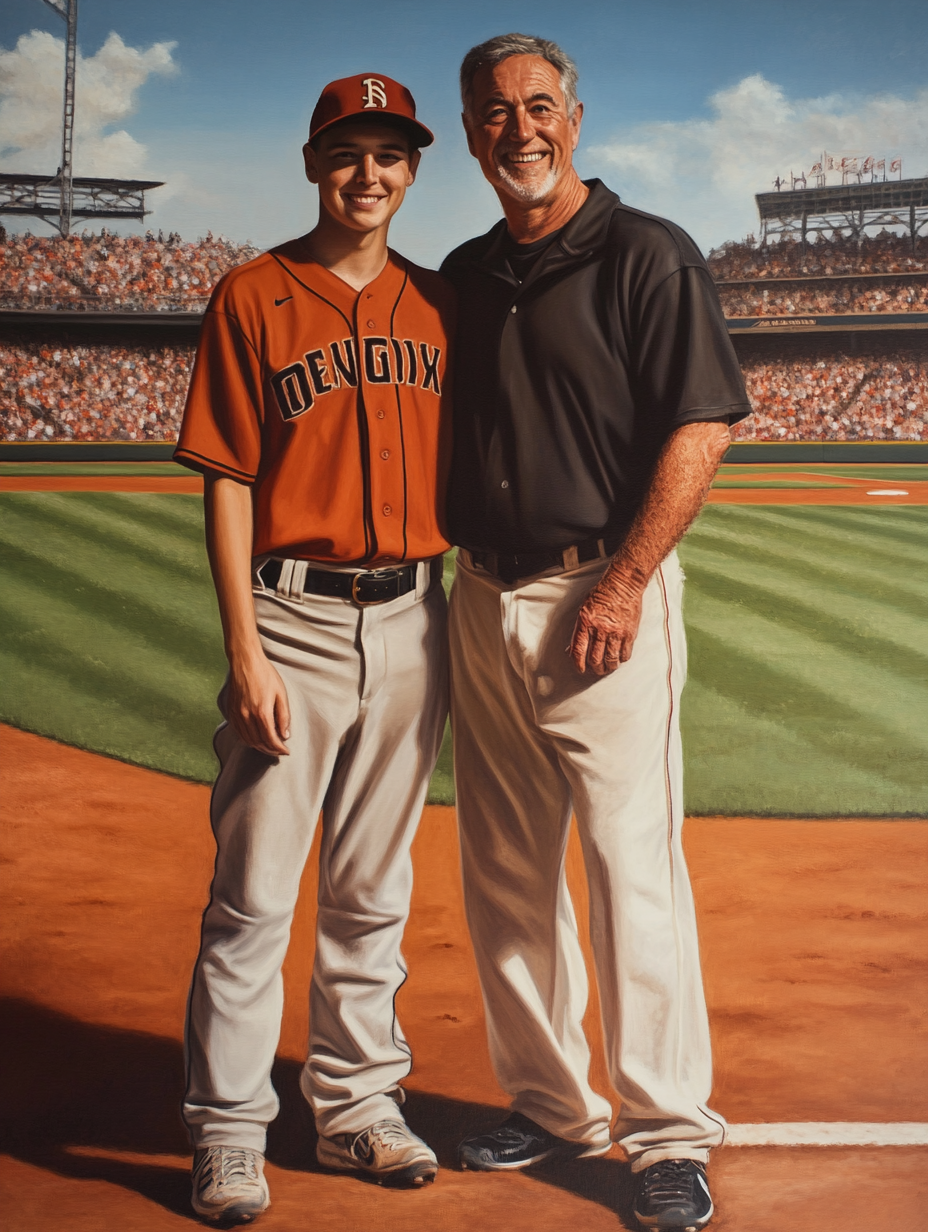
x=522 y=257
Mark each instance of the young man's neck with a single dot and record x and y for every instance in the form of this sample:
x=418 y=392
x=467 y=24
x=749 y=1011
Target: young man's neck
x=529 y=222
x=357 y=257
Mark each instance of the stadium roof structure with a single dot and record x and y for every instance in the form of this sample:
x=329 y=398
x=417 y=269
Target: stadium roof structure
x=846 y=209
x=39 y=196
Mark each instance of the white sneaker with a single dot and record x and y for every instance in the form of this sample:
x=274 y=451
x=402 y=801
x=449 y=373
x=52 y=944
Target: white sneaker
x=229 y=1185
x=389 y=1151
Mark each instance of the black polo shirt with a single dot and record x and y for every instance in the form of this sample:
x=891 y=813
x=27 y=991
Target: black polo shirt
x=568 y=384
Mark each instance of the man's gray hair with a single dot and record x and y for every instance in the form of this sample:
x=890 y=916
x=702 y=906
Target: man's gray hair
x=495 y=50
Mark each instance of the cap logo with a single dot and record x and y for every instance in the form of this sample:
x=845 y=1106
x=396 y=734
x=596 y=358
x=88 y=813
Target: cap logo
x=375 y=95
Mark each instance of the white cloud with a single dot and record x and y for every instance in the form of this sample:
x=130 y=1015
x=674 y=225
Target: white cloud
x=704 y=173
x=31 y=89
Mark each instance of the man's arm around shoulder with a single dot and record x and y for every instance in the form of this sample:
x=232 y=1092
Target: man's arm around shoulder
x=607 y=624
x=256 y=702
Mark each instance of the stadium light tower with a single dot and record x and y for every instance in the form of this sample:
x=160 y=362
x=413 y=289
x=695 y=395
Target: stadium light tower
x=68 y=10
x=58 y=199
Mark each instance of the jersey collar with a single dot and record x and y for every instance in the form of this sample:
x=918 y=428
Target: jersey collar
x=303 y=271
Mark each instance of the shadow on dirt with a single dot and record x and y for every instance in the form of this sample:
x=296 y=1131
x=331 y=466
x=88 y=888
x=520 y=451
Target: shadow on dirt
x=74 y=1088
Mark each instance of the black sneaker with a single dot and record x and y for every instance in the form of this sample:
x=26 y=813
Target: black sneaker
x=673 y=1196
x=519 y=1143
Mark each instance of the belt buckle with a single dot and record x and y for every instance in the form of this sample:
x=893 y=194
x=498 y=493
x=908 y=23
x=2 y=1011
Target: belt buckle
x=356 y=578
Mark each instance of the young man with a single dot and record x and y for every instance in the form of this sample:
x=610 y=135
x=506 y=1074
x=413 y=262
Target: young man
x=315 y=413
x=595 y=384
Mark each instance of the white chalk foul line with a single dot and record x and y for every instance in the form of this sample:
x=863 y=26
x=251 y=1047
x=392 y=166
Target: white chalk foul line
x=829 y=1133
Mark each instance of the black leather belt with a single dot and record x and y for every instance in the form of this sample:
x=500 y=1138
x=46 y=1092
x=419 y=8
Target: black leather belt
x=376 y=586
x=509 y=567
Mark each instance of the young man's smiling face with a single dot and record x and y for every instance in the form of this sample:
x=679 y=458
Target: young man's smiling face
x=363 y=169
x=518 y=127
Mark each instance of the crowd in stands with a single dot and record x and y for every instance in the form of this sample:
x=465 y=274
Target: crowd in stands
x=158 y=273
x=876 y=254
x=92 y=393
x=825 y=298
x=842 y=398
x=59 y=392
x=136 y=393
x=89 y=272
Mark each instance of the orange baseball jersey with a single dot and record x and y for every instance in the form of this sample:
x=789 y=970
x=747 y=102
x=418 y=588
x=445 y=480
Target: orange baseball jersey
x=331 y=403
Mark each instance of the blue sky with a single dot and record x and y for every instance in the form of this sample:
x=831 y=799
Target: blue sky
x=691 y=105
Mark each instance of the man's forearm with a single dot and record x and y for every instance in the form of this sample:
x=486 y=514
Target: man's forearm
x=229 y=532
x=679 y=486
x=256 y=701
x=607 y=623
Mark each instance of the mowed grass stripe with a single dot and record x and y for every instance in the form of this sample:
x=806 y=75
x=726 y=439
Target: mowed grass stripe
x=852 y=559
x=65 y=706
x=108 y=658
x=166 y=527
x=172 y=470
x=869 y=535
x=808 y=674
x=111 y=638
x=802 y=625
x=790 y=601
x=883 y=471
x=823 y=709
x=740 y=763
x=103 y=583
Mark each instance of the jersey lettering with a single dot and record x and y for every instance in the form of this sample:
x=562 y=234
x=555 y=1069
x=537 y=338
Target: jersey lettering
x=317 y=371
x=413 y=365
x=292 y=391
x=377 y=361
x=398 y=359
x=345 y=370
x=430 y=367
x=386 y=361
x=376 y=93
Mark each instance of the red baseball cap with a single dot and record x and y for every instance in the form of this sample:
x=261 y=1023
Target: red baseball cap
x=368 y=94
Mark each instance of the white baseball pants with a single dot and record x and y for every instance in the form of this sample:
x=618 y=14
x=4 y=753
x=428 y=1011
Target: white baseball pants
x=368 y=698
x=533 y=741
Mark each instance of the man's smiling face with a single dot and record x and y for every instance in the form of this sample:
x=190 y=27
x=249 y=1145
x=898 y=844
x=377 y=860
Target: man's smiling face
x=518 y=127
x=363 y=170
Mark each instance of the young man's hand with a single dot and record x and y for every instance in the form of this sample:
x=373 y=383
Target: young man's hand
x=257 y=705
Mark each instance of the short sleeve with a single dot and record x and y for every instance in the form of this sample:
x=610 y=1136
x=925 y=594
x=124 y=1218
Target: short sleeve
x=221 y=430
x=684 y=362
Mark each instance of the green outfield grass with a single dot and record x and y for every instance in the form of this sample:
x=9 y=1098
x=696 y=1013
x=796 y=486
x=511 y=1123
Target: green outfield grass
x=885 y=471
x=808 y=690
x=748 y=481
x=147 y=469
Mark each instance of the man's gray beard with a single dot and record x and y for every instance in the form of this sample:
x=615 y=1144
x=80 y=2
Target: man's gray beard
x=528 y=193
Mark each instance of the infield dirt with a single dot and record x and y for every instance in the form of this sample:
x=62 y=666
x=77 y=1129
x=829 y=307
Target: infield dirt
x=813 y=935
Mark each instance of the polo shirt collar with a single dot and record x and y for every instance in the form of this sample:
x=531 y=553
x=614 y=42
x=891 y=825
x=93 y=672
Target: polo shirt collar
x=581 y=236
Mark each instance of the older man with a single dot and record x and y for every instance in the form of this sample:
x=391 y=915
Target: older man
x=595 y=385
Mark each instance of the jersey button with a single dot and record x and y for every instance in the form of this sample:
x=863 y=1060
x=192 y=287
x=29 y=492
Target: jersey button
x=513 y=308
x=504 y=484
x=387 y=510
x=385 y=453
x=380 y=414
x=371 y=325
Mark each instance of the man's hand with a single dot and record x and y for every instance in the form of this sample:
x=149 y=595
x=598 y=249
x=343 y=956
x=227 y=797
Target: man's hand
x=607 y=624
x=256 y=699
x=257 y=705
x=606 y=627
